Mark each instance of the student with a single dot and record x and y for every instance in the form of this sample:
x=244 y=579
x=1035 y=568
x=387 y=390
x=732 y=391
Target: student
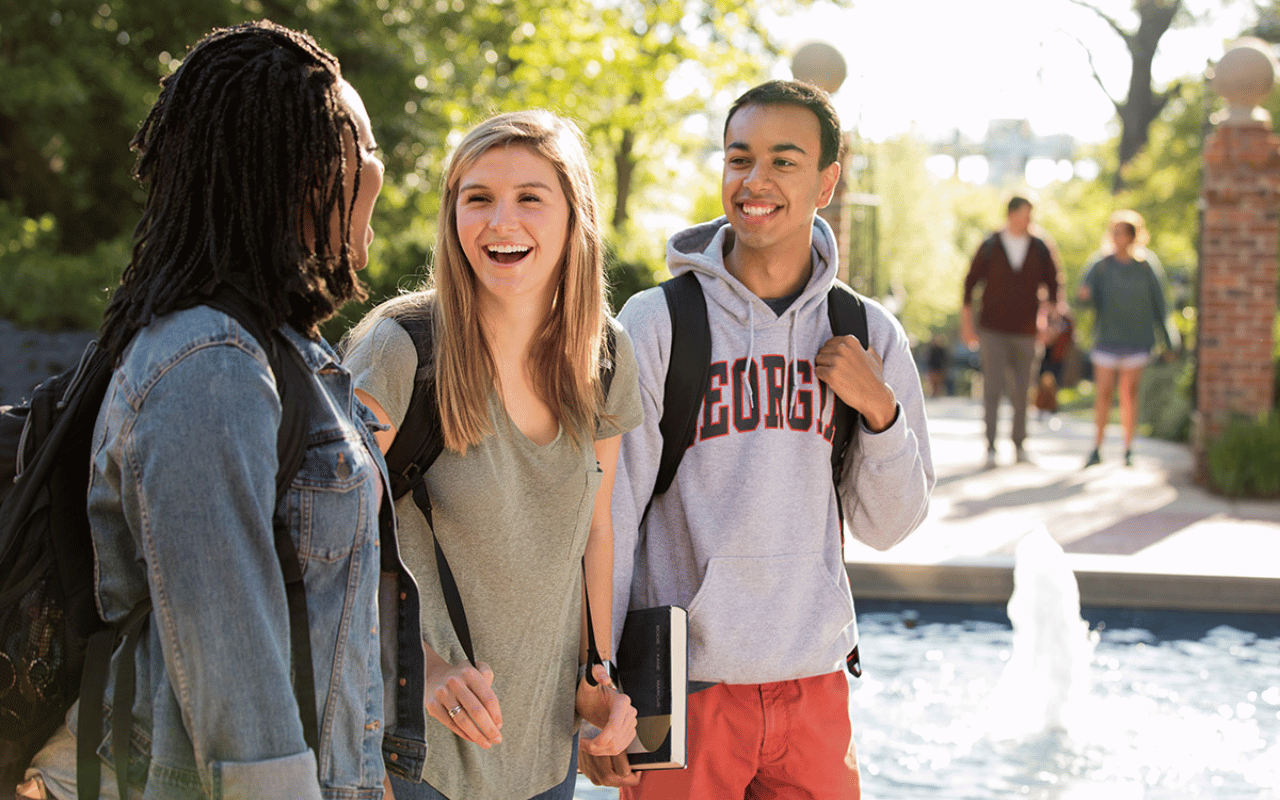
x=1126 y=288
x=522 y=489
x=748 y=538
x=182 y=493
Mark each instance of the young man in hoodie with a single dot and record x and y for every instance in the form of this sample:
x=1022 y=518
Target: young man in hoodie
x=748 y=538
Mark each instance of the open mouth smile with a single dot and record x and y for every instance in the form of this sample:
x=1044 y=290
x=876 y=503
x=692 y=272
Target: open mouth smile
x=507 y=253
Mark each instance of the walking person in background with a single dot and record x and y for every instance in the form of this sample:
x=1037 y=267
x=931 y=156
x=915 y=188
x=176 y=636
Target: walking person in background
x=1126 y=288
x=522 y=490
x=1011 y=265
x=182 y=499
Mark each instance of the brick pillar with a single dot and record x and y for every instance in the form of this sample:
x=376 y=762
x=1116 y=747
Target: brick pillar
x=1239 y=237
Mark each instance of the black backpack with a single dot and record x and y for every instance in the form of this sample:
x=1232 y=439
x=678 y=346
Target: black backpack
x=419 y=442
x=689 y=377
x=54 y=647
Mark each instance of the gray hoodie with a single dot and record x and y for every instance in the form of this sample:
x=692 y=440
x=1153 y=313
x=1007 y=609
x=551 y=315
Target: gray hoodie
x=747 y=538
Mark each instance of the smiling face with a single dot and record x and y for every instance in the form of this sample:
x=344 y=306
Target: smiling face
x=772 y=185
x=513 y=222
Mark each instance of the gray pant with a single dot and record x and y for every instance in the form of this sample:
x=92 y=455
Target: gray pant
x=1006 y=361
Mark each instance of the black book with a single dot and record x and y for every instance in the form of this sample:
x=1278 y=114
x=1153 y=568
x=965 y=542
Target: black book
x=653 y=671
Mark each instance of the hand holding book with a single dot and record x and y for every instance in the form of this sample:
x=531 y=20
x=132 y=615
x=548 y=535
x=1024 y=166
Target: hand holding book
x=609 y=710
x=652 y=667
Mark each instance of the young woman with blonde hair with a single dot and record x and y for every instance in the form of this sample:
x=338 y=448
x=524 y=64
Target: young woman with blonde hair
x=521 y=492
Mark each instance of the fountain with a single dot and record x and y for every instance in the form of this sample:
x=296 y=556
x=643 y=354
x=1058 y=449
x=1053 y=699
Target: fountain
x=1046 y=680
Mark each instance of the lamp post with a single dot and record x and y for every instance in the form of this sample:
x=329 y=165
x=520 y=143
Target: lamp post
x=853 y=211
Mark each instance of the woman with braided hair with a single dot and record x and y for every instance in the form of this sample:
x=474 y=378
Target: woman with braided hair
x=262 y=174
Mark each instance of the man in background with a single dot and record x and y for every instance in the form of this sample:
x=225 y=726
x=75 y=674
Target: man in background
x=1012 y=265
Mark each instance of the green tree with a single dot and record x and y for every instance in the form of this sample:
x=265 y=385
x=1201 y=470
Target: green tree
x=632 y=72
x=1143 y=102
x=81 y=74
x=77 y=75
x=921 y=263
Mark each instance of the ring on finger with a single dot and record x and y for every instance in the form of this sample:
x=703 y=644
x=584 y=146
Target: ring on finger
x=455 y=711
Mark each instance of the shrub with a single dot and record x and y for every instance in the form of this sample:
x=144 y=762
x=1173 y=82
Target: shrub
x=1244 y=460
x=43 y=289
x=1164 y=399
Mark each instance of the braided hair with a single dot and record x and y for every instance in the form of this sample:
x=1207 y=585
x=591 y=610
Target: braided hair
x=243 y=159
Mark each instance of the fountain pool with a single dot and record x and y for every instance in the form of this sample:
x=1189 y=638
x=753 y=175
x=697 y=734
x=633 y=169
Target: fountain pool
x=1177 y=705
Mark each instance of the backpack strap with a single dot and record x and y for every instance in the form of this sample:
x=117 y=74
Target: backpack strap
x=848 y=316
x=688 y=374
x=691 y=355
x=293 y=381
x=419 y=441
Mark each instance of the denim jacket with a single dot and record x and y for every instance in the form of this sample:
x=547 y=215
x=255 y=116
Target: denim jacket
x=181 y=500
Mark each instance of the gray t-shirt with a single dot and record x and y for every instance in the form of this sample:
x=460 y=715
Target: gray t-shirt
x=513 y=519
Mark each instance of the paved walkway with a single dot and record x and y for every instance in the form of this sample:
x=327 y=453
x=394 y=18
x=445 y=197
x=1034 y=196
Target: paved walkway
x=1142 y=536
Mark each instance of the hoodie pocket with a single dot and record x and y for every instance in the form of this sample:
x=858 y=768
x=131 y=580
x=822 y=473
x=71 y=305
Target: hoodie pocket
x=757 y=620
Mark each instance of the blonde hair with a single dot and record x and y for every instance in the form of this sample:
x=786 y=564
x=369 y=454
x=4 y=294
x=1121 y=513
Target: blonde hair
x=1140 y=235
x=566 y=355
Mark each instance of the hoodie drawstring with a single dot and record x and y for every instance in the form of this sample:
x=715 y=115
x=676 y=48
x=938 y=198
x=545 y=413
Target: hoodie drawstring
x=791 y=365
x=751 y=353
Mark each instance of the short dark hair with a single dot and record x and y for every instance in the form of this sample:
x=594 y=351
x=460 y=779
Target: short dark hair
x=1016 y=203
x=798 y=93
x=243 y=143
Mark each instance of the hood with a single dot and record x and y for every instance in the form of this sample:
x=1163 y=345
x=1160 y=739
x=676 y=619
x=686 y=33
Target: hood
x=701 y=249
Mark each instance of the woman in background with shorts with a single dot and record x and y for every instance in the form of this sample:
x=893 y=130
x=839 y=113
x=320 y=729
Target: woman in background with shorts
x=1127 y=292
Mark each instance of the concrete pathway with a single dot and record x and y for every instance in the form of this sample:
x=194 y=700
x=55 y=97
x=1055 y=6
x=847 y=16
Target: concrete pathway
x=1142 y=536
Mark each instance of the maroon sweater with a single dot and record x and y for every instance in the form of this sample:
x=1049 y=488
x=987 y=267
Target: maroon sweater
x=1009 y=296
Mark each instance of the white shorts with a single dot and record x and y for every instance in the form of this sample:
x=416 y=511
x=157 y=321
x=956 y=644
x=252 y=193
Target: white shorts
x=1110 y=360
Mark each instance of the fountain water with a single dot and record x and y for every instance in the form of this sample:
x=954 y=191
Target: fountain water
x=1161 y=705
x=1046 y=679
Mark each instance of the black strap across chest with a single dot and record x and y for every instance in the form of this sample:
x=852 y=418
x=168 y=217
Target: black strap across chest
x=419 y=441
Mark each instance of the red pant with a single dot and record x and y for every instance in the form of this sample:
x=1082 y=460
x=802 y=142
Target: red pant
x=790 y=739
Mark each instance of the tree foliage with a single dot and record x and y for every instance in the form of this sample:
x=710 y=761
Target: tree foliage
x=923 y=244
x=1143 y=103
x=81 y=74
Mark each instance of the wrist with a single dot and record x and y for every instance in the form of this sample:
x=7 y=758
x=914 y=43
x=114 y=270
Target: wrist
x=884 y=414
x=585 y=671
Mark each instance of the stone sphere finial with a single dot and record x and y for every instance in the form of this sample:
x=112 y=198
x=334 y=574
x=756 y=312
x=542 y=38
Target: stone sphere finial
x=820 y=64
x=1243 y=78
